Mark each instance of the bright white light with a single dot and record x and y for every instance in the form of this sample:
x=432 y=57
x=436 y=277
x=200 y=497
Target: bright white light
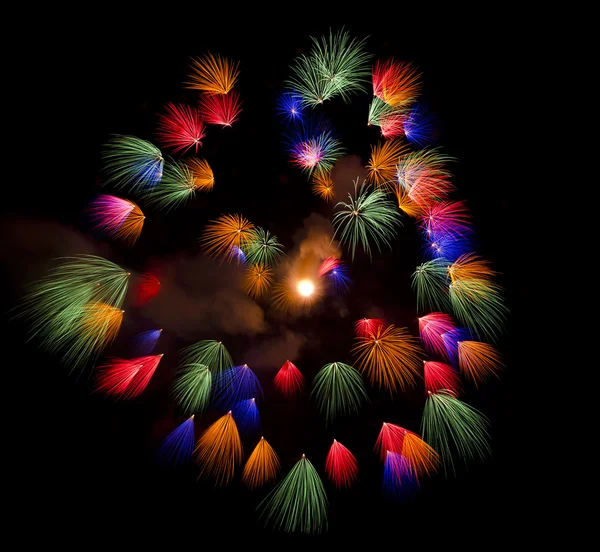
x=306 y=287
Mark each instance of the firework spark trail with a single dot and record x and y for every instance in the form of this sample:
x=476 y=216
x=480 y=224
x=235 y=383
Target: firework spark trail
x=119 y=218
x=192 y=386
x=289 y=380
x=290 y=107
x=397 y=83
x=431 y=328
x=126 y=378
x=365 y=327
x=430 y=282
x=177 y=447
x=146 y=288
x=323 y=186
x=262 y=466
x=180 y=128
x=262 y=247
x=234 y=385
x=382 y=165
x=439 y=375
x=478 y=361
x=341 y=466
x=143 y=344
x=246 y=416
x=223 y=110
x=257 y=280
x=208 y=352
x=222 y=234
x=213 y=74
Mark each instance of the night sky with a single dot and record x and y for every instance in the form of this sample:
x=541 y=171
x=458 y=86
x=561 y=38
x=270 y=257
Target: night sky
x=91 y=470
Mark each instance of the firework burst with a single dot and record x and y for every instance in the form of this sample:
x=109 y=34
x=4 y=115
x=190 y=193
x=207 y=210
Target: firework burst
x=257 y=280
x=478 y=361
x=213 y=74
x=126 y=379
x=262 y=247
x=180 y=128
x=262 y=466
x=119 y=218
x=323 y=186
x=223 y=110
x=177 y=447
x=228 y=231
x=191 y=387
x=430 y=282
x=382 y=165
x=289 y=380
x=341 y=466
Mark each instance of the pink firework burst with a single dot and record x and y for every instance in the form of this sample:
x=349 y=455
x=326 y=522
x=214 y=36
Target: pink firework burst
x=390 y=438
x=341 y=466
x=220 y=109
x=431 y=328
x=328 y=265
x=289 y=380
x=181 y=128
x=126 y=379
x=392 y=125
x=368 y=326
x=307 y=155
x=439 y=375
x=446 y=218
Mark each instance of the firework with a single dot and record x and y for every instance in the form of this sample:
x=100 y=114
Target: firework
x=451 y=340
x=478 y=361
x=262 y=247
x=453 y=427
x=424 y=176
x=341 y=466
x=219 y=450
x=261 y=467
x=430 y=282
x=479 y=305
x=202 y=174
x=447 y=247
x=144 y=343
x=418 y=125
x=471 y=266
x=338 y=389
x=447 y=219
x=298 y=502
x=309 y=82
x=246 y=416
x=178 y=185
x=431 y=328
x=390 y=357
x=221 y=235
x=191 y=387
x=257 y=280
x=126 y=379
x=379 y=111
x=397 y=83
x=145 y=289
x=313 y=147
x=132 y=163
x=323 y=186
x=180 y=128
x=208 y=352
x=290 y=107
x=119 y=218
x=287 y=297
x=328 y=264
x=60 y=307
x=390 y=438
x=213 y=74
x=367 y=326
x=177 y=447
x=221 y=110
x=439 y=375
x=399 y=480
x=405 y=204
x=289 y=380
x=392 y=124
x=340 y=279
x=368 y=217
x=234 y=385
x=383 y=162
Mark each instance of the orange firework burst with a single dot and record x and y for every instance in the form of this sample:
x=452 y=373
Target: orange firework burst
x=470 y=265
x=383 y=161
x=478 y=361
x=405 y=203
x=397 y=83
x=257 y=280
x=225 y=236
x=423 y=459
x=323 y=185
x=390 y=357
x=219 y=450
x=262 y=465
x=100 y=324
x=202 y=174
x=296 y=294
x=213 y=74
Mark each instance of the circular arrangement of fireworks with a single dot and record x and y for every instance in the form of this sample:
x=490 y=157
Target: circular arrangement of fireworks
x=78 y=310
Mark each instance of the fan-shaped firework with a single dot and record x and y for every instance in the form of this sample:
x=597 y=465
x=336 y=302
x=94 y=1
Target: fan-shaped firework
x=471 y=266
x=213 y=74
x=234 y=385
x=391 y=358
x=397 y=83
x=369 y=216
x=119 y=218
x=298 y=502
x=178 y=185
x=379 y=110
x=339 y=279
x=338 y=389
x=246 y=416
x=177 y=447
x=202 y=174
x=418 y=125
x=383 y=162
x=58 y=307
x=146 y=288
x=430 y=282
x=367 y=326
x=323 y=186
x=180 y=128
x=221 y=110
x=144 y=343
x=290 y=106
x=221 y=235
x=308 y=80
x=446 y=219
x=262 y=247
x=392 y=124
x=328 y=264
x=341 y=466
x=132 y=163
x=126 y=379
x=478 y=361
x=289 y=380
x=438 y=375
x=431 y=328
x=219 y=450
x=262 y=466
x=257 y=280
x=191 y=387
x=208 y=352
x=98 y=328
x=399 y=480
x=451 y=340
x=479 y=305
x=405 y=203
x=452 y=427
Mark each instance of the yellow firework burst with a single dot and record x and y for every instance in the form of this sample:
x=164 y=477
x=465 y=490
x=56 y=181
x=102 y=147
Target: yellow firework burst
x=469 y=266
x=322 y=185
x=202 y=174
x=262 y=465
x=257 y=280
x=213 y=74
x=225 y=236
x=382 y=164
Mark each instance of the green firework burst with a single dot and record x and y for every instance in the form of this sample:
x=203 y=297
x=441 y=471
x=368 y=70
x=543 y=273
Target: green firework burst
x=191 y=388
x=208 y=352
x=175 y=188
x=298 y=502
x=262 y=248
x=369 y=216
x=430 y=281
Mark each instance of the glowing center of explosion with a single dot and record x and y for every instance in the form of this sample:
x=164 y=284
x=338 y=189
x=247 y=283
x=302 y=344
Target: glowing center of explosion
x=305 y=287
